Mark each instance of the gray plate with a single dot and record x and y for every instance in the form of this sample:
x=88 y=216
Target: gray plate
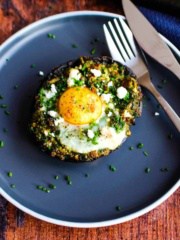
x=89 y=201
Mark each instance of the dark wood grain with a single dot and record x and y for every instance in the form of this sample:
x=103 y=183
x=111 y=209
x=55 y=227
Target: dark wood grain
x=3 y=217
x=163 y=223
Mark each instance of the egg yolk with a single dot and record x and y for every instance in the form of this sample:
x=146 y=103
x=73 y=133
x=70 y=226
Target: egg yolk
x=79 y=105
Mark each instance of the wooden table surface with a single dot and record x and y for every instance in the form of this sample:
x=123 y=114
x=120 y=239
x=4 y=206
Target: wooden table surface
x=163 y=223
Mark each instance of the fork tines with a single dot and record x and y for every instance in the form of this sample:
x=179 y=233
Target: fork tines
x=121 y=39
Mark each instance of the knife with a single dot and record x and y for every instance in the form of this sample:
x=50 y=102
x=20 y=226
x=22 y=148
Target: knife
x=149 y=39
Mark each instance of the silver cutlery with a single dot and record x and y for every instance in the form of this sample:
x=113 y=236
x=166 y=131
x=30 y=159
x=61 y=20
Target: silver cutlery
x=123 y=49
x=149 y=39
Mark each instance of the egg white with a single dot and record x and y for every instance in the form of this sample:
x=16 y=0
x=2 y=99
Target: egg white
x=70 y=136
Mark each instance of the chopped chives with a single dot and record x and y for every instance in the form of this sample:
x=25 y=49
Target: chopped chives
x=147 y=170
x=44 y=189
x=39 y=187
x=1 y=144
x=112 y=168
x=56 y=177
x=68 y=180
x=74 y=45
x=3 y=106
x=145 y=153
x=13 y=186
x=140 y=145
x=10 y=174
x=118 y=208
x=1 y=97
x=93 y=51
x=7 y=112
x=131 y=148
x=33 y=65
x=52 y=186
x=50 y=35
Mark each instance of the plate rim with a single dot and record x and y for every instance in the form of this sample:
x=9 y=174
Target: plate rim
x=84 y=224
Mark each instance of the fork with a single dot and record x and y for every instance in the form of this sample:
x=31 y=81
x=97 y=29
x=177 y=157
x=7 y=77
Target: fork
x=122 y=47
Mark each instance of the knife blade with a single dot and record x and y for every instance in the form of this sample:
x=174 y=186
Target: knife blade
x=149 y=39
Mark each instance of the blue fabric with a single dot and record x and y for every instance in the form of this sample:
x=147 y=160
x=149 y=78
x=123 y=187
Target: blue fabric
x=167 y=25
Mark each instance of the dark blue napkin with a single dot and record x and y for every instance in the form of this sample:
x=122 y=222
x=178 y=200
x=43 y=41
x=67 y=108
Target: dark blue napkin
x=166 y=24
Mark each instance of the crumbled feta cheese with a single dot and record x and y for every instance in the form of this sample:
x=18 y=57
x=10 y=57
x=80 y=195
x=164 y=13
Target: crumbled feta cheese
x=111 y=105
x=106 y=97
x=109 y=114
x=51 y=93
x=108 y=132
x=96 y=72
x=42 y=109
x=52 y=113
x=58 y=121
x=74 y=74
x=110 y=84
x=41 y=73
x=156 y=114
x=70 y=82
x=121 y=92
x=48 y=94
x=53 y=88
x=90 y=133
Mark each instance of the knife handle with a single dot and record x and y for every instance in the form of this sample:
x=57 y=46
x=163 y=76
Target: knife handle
x=165 y=105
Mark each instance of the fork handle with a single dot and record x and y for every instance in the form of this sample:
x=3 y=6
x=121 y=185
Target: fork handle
x=165 y=105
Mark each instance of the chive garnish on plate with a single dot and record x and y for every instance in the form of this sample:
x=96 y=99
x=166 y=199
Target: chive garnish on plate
x=33 y=65
x=74 y=45
x=51 y=35
x=140 y=145
x=112 y=168
x=145 y=153
x=10 y=174
x=118 y=208
x=131 y=148
x=93 y=51
x=147 y=170
x=68 y=180
x=56 y=177
x=3 y=106
x=1 y=144
x=52 y=186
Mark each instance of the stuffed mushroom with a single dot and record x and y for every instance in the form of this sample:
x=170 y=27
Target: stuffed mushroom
x=84 y=109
